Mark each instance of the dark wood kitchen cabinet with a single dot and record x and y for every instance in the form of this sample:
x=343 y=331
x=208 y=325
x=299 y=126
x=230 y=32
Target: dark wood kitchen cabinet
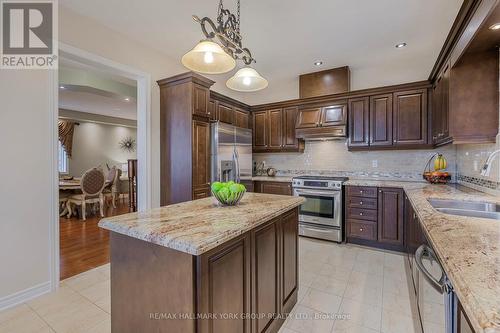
x=289 y=254
x=270 y=187
x=201 y=97
x=441 y=108
x=201 y=159
x=225 y=113
x=390 y=216
x=324 y=116
x=228 y=110
x=308 y=117
x=375 y=217
x=275 y=126
x=410 y=118
x=381 y=120
x=274 y=131
x=359 y=122
x=241 y=118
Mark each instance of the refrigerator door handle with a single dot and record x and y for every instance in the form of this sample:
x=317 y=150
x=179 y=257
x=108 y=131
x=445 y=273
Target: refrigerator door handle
x=237 y=165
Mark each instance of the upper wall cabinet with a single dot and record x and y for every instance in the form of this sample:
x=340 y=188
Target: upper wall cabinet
x=274 y=131
x=201 y=101
x=326 y=116
x=228 y=111
x=388 y=121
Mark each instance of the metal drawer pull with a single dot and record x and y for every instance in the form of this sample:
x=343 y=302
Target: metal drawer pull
x=360 y=214
x=360 y=229
x=361 y=202
x=361 y=192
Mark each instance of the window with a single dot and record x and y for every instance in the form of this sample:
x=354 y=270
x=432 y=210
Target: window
x=63 y=159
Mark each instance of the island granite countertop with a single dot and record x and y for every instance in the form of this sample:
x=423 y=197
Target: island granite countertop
x=467 y=247
x=194 y=227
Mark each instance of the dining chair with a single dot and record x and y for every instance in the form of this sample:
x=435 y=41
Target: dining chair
x=112 y=186
x=92 y=185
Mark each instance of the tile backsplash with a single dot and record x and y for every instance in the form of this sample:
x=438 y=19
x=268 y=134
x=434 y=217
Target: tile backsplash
x=332 y=157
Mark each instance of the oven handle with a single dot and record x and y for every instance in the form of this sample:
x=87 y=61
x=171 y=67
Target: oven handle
x=323 y=194
x=327 y=230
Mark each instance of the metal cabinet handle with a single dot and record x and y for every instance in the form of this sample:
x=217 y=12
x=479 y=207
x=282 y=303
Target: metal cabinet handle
x=426 y=251
x=361 y=202
x=379 y=191
x=360 y=229
x=395 y=141
x=360 y=214
x=361 y=191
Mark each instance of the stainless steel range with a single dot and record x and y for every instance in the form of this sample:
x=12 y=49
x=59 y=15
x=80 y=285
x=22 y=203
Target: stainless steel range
x=321 y=215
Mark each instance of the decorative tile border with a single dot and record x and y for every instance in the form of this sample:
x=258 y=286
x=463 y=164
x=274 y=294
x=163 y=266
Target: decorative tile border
x=479 y=182
x=402 y=176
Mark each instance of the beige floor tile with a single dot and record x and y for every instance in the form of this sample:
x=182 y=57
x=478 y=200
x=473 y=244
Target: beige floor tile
x=360 y=314
x=22 y=319
x=370 y=256
x=301 y=292
x=306 y=278
x=365 y=280
x=370 y=267
x=321 y=301
x=368 y=295
x=399 y=287
x=330 y=285
x=354 y=328
x=306 y=320
x=55 y=301
x=434 y=328
x=400 y=304
x=105 y=269
x=76 y=317
x=393 y=259
x=395 y=322
x=105 y=304
x=97 y=291
x=284 y=329
x=101 y=327
x=86 y=280
x=335 y=272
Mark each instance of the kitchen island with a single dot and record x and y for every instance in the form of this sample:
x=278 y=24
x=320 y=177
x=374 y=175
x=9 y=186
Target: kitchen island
x=200 y=267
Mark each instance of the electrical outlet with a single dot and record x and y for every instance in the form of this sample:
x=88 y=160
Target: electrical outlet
x=374 y=164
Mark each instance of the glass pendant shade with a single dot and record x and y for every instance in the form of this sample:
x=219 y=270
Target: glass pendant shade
x=208 y=57
x=246 y=80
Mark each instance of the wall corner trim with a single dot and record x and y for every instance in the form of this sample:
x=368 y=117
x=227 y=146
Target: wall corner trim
x=24 y=295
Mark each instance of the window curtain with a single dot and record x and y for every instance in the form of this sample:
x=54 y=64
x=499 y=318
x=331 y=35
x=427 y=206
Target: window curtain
x=66 y=130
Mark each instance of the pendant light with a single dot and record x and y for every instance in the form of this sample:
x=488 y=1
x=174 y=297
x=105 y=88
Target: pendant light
x=209 y=58
x=246 y=79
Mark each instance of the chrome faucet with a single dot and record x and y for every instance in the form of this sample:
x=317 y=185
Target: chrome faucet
x=486 y=169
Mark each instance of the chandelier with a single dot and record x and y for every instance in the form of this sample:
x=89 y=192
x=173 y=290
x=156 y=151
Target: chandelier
x=220 y=49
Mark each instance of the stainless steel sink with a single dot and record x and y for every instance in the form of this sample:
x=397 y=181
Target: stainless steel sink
x=467 y=208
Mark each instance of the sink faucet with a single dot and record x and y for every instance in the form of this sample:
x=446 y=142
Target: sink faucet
x=486 y=169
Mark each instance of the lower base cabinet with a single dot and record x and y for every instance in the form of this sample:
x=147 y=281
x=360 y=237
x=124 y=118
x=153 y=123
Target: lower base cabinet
x=375 y=217
x=271 y=187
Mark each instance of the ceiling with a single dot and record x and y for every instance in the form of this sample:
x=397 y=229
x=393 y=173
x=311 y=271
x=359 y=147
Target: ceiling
x=85 y=89
x=287 y=37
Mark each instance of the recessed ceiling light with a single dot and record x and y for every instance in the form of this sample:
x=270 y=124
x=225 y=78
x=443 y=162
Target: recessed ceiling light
x=495 y=26
x=62 y=87
x=318 y=63
x=400 y=45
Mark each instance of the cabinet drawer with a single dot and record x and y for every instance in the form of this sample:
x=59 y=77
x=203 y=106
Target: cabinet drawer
x=362 y=229
x=362 y=214
x=359 y=202
x=362 y=191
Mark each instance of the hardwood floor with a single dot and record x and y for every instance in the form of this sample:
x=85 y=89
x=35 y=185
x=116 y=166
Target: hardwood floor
x=83 y=245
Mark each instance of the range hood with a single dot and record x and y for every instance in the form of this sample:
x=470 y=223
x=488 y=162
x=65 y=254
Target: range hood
x=322 y=122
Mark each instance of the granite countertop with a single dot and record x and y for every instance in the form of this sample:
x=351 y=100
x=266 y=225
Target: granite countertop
x=282 y=179
x=197 y=226
x=467 y=247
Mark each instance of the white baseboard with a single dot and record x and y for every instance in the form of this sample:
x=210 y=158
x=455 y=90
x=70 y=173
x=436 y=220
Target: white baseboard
x=24 y=295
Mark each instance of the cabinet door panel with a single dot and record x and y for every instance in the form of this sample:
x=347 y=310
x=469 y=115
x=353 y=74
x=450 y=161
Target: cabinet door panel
x=333 y=115
x=260 y=130
x=308 y=118
x=275 y=129
x=289 y=263
x=274 y=188
x=265 y=269
x=390 y=216
x=212 y=109
x=201 y=192
x=410 y=117
x=200 y=100
x=381 y=120
x=240 y=118
x=225 y=287
x=201 y=153
x=225 y=113
x=359 y=118
x=289 y=120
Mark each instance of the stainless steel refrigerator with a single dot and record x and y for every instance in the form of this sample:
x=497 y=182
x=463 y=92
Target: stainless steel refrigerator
x=231 y=151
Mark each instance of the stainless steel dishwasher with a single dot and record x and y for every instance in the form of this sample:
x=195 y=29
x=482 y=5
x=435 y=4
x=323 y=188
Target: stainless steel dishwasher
x=437 y=303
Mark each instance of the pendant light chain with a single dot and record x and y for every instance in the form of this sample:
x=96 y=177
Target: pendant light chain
x=238 y=20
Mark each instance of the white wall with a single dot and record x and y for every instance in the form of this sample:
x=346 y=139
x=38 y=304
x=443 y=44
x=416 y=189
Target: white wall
x=25 y=169
x=97 y=144
x=26 y=166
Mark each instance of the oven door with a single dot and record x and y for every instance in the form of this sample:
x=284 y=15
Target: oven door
x=321 y=207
